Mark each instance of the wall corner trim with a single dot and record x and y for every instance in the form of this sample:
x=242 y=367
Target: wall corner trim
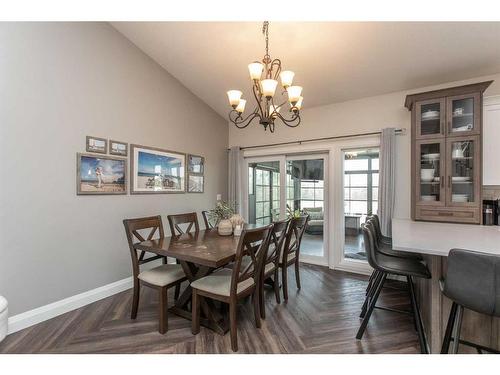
x=43 y=313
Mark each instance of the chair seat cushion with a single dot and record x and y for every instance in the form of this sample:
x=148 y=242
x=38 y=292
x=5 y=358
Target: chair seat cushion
x=291 y=256
x=219 y=283
x=163 y=275
x=269 y=268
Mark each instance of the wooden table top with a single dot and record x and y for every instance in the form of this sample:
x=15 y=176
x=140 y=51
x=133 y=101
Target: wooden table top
x=205 y=247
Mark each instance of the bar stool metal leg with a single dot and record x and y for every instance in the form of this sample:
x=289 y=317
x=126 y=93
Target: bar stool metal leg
x=457 y=328
x=369 y=294
x=418 y=318
x=373 y=301
x=449 y=328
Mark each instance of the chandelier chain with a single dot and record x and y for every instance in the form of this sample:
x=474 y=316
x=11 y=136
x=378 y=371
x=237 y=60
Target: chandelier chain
x=265 y=31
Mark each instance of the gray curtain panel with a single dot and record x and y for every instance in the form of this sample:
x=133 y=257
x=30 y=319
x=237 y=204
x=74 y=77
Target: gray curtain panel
x=234 y=177
x=387 y=179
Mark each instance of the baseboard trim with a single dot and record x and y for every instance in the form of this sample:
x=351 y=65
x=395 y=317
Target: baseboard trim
x=43 y=313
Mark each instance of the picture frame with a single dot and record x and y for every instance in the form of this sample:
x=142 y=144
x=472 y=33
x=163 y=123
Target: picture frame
x=101 y=175
x=96 y=145
x=196 y=164
x=118 y=148
x=157 y=171
x=196 y=184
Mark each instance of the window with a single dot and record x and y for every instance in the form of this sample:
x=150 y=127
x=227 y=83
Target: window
x=361 y=181
x=311 y=193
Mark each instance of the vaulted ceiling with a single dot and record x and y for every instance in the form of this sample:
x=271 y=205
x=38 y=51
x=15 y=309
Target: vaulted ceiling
x=333 y=61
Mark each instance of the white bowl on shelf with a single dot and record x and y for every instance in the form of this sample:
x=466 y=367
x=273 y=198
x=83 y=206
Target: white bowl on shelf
x=460 y=198
x=431 y=156
x=427 y=175
x=428 y=198
x=460 y=179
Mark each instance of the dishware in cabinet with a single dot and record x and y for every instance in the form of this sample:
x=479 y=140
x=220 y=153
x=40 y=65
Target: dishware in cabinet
x=463 y=114
x=463 y=171
x=430 y=173
x=430 y=118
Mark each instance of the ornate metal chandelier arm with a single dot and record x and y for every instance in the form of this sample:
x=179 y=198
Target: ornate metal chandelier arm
x=258 y=97
x=241 y=123
x=292 y=122
x=275 y=63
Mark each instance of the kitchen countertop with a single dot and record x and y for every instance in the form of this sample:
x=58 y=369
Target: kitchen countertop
x=440 y=238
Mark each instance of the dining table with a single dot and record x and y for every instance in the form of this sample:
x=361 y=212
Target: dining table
x=199 y=253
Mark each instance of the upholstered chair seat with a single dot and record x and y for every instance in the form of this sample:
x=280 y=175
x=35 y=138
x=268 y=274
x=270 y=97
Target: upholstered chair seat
x=219 y=283
x=163 y=275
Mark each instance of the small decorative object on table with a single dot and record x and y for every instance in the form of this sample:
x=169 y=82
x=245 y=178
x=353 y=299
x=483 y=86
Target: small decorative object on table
x=222 y=214
x=238 y=229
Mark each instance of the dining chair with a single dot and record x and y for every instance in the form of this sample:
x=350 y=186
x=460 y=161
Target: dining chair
x=160 y=278
x=208 y=225
x=175 y=220
x=291 y=251
x=230 y=285
x=270 y=266
x=392 y=266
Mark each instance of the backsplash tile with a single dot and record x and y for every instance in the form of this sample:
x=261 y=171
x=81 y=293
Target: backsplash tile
x=491 y=192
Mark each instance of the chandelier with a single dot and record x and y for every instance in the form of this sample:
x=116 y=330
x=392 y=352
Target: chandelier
x=264 y=76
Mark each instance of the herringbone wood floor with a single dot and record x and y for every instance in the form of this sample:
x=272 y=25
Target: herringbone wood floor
x=320 y=318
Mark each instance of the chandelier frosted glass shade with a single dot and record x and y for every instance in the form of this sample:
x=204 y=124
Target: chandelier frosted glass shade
x=269 y=98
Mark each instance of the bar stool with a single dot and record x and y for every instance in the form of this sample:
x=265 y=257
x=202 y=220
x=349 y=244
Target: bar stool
x=472 y=282
x=383 y=245
x=387 y=265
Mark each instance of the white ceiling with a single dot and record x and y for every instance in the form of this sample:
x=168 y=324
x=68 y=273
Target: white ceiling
x=333 y=61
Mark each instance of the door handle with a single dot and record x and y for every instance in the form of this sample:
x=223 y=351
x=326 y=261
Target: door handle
x=442 y=181
x=449 y=181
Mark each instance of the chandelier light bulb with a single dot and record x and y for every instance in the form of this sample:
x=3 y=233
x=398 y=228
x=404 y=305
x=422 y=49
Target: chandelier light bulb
x=287 y=78
x=272 y=109
x=241 y=106
x=234 y=97
x=298 y=105
x=269 y=87
x=255 y=70
x=294 y=93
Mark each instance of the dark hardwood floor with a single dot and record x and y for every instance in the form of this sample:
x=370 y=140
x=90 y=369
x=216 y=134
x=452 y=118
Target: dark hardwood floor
x=320 y=318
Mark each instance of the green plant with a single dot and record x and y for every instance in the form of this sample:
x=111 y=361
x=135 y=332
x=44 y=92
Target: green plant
x=222 y=211
x=291 y=213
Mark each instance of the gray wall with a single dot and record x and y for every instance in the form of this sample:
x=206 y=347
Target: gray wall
x=58 y=83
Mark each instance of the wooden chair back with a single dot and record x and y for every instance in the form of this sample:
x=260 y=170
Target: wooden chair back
x=254 y=244
x=276 y=241
x=132 y=227
x=175 y=220
x=208 y=225
x=293 y=239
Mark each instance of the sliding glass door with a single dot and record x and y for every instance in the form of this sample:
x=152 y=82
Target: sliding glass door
x=279 y=186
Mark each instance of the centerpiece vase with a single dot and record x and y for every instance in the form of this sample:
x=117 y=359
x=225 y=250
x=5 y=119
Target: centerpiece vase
x=225 y=227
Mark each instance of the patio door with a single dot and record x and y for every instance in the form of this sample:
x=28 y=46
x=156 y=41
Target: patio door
x=278 y=186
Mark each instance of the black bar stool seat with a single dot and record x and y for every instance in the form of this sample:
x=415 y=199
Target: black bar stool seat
x=401 y=266
x=472 y=282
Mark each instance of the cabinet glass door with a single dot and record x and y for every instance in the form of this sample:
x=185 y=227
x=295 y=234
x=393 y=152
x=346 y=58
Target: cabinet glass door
x=430 y=173
x=463 y=114
x=463 y=171
x=430 y=118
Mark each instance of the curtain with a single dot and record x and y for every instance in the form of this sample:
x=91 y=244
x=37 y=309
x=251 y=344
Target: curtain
x=234 y=177
x=387 y=179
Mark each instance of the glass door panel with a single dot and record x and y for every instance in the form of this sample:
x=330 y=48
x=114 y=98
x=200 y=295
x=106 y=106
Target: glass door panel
x=463 y=112
x=430 y=173
x=305 y=192
x=361 y=175
x=430 y=118
x=463 y=171
x=263 y=192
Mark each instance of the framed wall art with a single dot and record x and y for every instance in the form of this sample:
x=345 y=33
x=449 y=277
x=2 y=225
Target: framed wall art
x=118 y=148
x=100 y=174
x=196 y=164
x=195 y=184
x=156 y=171
x=98 y=145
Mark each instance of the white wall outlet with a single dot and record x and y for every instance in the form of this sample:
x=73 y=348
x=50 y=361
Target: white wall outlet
x=219 y=197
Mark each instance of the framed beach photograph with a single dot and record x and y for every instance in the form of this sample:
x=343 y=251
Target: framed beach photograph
x=118 y=148
x=155 y=171
x=196 y=164
x=98 y=145
x=100 y=174
x=195 y=184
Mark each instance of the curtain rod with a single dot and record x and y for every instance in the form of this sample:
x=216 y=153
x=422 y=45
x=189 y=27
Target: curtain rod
x=398 y=131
